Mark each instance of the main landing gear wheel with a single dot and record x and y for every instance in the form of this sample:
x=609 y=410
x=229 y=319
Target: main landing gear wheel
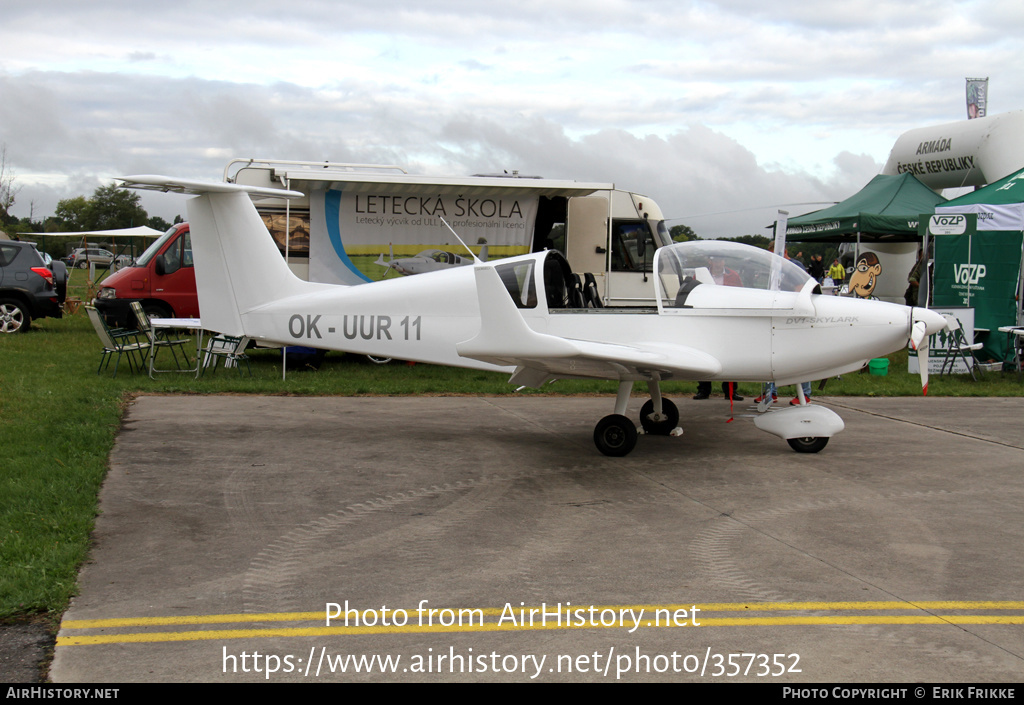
x=615 y=435
x=669 y=418
x=807 y=445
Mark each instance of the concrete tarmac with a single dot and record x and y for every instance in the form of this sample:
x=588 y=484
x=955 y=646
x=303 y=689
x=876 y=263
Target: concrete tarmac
x=230 y=523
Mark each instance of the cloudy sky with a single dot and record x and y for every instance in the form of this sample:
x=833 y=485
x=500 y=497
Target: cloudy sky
x=734 y=106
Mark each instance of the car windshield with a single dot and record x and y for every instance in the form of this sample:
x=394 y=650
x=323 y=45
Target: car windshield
x=151 y=251
x=685 y=265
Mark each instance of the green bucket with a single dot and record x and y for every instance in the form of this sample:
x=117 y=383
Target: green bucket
x=879 y=366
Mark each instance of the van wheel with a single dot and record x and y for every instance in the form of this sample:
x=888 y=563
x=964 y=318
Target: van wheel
x=13 y=317
x=378 y=360
x=155 y=310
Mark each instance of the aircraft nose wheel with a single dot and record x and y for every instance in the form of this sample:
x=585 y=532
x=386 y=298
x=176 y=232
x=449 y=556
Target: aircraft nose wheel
x=659 y=426
x=807 y=445
x=615 y=435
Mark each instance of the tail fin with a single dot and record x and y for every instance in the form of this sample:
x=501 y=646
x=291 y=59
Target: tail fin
x=391 y=256
x=238 y=266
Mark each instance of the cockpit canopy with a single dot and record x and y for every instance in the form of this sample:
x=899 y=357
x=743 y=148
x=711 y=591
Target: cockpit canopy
x=721 y=269
x=440 y=256
x=684 y=266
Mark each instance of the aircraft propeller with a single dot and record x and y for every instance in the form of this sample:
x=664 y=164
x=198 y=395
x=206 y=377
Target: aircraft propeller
x=926 y=323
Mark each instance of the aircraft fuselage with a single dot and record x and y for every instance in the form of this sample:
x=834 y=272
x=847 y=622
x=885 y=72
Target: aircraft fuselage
x=756 y=335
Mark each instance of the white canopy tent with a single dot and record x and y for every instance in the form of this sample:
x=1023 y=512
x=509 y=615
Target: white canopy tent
x=84 y=236
x=141 y=231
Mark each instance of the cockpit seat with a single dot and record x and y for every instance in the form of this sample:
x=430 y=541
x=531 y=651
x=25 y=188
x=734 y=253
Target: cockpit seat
x=591 y=295
x=688 y=285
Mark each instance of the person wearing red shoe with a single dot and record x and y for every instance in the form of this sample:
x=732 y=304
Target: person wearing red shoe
x=775 y=397
x=722 y=276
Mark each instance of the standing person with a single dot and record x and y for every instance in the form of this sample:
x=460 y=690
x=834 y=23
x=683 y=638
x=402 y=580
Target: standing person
x=723 y=276
x=837 y=272
x=816 y=268
x=728 y=389
x=769 y=389
x=910 y=296
x=785 y=254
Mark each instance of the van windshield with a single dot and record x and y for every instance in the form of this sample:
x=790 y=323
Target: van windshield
x=151 y=251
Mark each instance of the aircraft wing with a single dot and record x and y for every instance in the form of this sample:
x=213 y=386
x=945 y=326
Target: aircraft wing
x=553 y=357
x=506 y=340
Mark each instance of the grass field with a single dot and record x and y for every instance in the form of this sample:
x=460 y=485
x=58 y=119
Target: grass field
x=59 y=419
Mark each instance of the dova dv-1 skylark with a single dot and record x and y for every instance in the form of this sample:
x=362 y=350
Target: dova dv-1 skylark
x=720 y=311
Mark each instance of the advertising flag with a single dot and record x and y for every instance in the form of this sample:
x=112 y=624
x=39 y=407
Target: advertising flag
x=977 y=97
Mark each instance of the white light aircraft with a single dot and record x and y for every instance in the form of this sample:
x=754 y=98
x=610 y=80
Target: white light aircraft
x=720 y=311
x=429 y=261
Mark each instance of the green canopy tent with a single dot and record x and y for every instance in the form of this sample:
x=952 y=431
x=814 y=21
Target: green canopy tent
x=886 y=210
x=978 y=257
x=883 y=215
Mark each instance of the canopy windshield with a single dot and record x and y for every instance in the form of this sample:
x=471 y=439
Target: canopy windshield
x=685 y=265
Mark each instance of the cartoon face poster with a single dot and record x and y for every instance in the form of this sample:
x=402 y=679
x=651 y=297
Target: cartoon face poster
x=865 y=275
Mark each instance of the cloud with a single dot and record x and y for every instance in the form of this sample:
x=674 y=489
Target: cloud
x=114 y=125
x=705 y=106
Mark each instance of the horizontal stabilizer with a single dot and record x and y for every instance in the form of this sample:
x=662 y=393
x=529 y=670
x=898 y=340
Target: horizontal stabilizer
x=154 y=182
x=238 y=267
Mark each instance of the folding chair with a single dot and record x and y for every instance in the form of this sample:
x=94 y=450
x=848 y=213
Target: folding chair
x=229 y=348
x=121 y=342
x=958 y=345
x=156 y=341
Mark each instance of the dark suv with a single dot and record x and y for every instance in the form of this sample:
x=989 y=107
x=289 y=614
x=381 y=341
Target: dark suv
x=28 y=288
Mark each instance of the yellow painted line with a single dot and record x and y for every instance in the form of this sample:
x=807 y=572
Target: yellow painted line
x=498 y=611
x=551 y=624
x=892 y=605
x=225 y=634
x=192 y=619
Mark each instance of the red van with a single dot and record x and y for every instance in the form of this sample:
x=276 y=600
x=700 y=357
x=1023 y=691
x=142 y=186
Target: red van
x=162 y=278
